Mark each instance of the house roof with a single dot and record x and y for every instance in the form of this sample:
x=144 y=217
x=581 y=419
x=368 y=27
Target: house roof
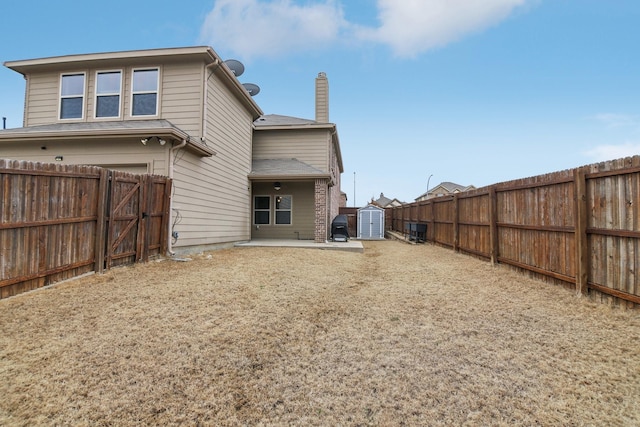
x=384 y=201
x=284 y=169
x=106 y=129
x=204 y=53
x=452 y=186
x=449 y=187
x=278 y=120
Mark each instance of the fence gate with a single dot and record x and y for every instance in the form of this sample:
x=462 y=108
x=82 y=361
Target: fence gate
x=60 y=221
x=136 y=211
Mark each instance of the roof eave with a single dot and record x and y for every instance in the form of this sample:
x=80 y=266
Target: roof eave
x=193 y=146
x=287 y=177
x=296 y=126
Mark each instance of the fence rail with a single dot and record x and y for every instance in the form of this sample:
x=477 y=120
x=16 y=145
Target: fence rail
x=579 y=227
x=60 y=221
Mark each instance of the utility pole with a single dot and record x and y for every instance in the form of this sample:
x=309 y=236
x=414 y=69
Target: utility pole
x=354 y=189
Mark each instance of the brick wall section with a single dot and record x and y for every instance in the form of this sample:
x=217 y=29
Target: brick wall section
x=321 y=210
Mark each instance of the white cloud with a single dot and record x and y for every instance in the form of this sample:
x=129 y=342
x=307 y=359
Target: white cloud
x=257 y=28
x=611 y=152
x=616 y=120
x=410 y=27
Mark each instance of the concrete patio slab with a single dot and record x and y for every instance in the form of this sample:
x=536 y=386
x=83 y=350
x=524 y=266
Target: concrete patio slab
x=351 y=245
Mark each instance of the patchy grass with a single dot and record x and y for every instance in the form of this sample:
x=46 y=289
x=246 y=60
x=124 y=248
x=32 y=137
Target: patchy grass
x=399 y=335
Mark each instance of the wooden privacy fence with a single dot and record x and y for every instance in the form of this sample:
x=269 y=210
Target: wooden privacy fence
x=579 y=227
x=60 y=221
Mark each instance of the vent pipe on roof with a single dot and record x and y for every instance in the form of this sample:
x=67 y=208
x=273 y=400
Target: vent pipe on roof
x=322 y=98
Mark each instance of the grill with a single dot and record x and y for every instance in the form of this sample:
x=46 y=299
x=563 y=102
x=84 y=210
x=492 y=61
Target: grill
x=339 y=229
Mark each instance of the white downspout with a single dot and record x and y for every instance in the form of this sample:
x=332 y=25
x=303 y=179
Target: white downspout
x=171 y=159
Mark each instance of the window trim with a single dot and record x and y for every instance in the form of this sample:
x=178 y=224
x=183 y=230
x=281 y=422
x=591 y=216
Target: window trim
x=156 y=92
x=261 y=210
x=83 y=96
x=96 y=95
x=276 y=210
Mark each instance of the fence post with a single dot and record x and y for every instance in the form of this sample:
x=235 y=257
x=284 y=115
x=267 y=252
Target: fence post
x=456 y=224
x=433 y=221
x=493 y=224
x=101 y=221
x=581 y=238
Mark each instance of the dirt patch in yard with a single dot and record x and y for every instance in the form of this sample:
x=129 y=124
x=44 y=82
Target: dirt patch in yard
x=399 y=335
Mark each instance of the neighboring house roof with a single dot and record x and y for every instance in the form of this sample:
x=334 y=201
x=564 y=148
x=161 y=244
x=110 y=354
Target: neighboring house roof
x=205 y=53
x=385 y=201
x=284 y=169
x=110 y=129
x=447 y=188
x=452 y=187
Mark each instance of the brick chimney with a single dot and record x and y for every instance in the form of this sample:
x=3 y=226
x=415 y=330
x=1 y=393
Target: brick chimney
x=322 y=98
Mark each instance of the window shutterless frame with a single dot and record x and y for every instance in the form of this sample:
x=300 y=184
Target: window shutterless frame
x=283 y=207
x=72 y=94
x=108 y=95
x=261 y=210
x=145 y=91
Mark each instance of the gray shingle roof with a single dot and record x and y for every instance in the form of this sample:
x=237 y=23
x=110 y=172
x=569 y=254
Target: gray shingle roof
x=93 y=127
x=108 y=129
x=283 y=168
x=278 y=120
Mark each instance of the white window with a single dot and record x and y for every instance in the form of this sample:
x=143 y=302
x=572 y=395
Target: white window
x=283 y=210
x=261 y=210
x=144 y=98
x=72 y=96
x=108 y=88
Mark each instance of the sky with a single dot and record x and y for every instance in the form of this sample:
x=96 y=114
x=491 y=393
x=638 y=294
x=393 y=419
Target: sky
x=474 y=92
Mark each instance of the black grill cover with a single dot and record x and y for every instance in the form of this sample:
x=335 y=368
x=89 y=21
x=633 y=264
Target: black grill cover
x=339 y=228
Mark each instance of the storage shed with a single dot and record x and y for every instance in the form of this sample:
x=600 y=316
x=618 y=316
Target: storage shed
x=371 y=223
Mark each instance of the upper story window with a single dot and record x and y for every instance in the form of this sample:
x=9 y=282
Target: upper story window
x=72 y=96
x=144 y=100
x=108 y=88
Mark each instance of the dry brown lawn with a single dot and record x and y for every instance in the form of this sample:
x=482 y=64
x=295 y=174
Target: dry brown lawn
x=399 y=335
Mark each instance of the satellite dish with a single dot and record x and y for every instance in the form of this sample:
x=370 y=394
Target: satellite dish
x=251 y=88
x=236 y=67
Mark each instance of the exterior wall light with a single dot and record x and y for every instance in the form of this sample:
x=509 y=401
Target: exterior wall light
x=276 y=186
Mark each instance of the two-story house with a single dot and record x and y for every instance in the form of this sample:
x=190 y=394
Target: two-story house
x=296 y=173
x=178 y=112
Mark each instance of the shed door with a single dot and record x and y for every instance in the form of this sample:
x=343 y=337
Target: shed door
x=370 y=224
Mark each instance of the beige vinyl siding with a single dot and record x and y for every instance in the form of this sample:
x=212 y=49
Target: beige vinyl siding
x=212 y=194
x=122 y=155
x=302 y=214
x=308 y=146
x=182 y=97
x=334 y=192
x=42 y=98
